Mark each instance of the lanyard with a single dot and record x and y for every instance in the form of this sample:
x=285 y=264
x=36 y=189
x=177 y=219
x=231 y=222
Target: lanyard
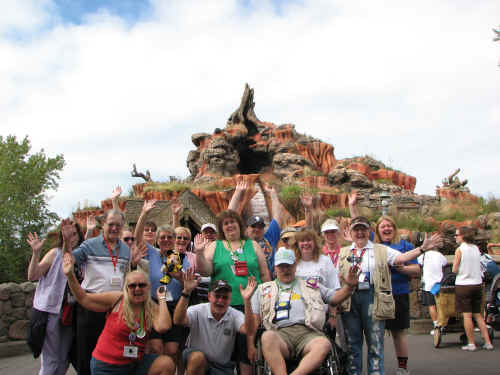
x=333 y=254
x=139 y=330
x=114 y=258
x=355 y=251
x=290 y=288
x=234 y=254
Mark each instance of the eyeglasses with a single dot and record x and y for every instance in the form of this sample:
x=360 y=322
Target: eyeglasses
x=127 y=239
x=149 y=230
x=182 y=238
x=134 y=285
x=166 y=238
x=114 y=225
x=223 y=297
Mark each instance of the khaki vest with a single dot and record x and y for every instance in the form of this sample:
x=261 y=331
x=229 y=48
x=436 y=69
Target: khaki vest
x=383 y=301
x=314 y=305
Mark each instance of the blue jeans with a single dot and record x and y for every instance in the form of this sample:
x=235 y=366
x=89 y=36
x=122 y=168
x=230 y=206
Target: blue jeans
x=359 y=322
x=136 y=368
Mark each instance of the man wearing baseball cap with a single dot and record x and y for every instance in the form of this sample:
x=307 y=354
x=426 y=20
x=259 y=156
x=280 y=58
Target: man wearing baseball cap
x=209 y=231
x=330 y=233
x=294 y=328
x=213 y=327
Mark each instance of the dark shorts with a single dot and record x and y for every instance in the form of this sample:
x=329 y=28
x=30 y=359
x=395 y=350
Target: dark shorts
x=402 y=316
x=212 y=367
x=136 y=368
x=468 y=298
x=240 y=352
x=428 y=298
x=175 y=334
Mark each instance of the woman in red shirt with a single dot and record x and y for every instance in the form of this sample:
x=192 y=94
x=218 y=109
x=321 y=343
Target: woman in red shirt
x=132 y=315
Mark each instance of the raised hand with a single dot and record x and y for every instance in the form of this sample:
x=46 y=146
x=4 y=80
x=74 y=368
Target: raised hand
x=200 y=242
x=352 y=276
x=434 y=242
x=149 y=205
x=353 y=198
x=246 y=293
x=242 y=185
x=66 y=230
x=138 y=251
x=191 y=280
x=91 y=223
x=176 y=206
x=347 y=234
x=35 y=243
x=68 y=263
x=307 y=200
x=117 y=191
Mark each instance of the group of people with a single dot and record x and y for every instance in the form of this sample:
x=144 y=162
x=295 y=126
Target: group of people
x=152 y=300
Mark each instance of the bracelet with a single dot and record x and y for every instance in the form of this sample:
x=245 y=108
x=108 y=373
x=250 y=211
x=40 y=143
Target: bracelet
x=185 y=295
x=162 y=298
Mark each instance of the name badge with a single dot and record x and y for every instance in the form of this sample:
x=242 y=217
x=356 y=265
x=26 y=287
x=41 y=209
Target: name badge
x=115 y=281
x=240 y=268
x=130 y=351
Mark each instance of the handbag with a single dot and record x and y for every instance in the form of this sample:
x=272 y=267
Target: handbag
x=37 y=330
x=67 y=309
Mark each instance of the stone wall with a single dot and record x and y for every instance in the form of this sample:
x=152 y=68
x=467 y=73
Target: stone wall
x=16 y=301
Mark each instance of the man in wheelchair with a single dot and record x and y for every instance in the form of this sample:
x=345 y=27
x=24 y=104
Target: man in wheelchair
x=292 y=312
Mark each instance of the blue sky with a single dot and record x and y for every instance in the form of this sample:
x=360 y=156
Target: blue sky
x=111 y=83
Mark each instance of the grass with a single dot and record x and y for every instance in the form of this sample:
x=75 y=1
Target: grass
x=290 y=197
x=417 y=223
x=338 y=212
x=384 y=181
x=167 y=186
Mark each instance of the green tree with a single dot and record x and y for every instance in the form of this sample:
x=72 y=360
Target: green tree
x=24 y=181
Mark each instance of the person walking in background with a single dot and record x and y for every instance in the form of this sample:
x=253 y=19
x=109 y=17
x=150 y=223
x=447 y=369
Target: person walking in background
x=468 y=286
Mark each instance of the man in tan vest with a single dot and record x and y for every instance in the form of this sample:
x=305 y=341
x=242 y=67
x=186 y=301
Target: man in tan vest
x=293 y=313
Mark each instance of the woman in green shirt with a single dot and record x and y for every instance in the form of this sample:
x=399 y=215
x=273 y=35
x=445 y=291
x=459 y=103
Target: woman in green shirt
x=232 y=258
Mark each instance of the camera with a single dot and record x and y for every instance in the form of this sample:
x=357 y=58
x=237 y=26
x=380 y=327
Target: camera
x=356 y=261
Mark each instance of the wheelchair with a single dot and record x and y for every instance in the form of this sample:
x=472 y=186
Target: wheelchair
x=334 y=363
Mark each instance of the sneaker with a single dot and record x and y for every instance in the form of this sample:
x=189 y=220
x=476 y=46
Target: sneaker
x=488 y=347
x=476 y=329
x=402 y=371
x=431 y=332
x=469 y=347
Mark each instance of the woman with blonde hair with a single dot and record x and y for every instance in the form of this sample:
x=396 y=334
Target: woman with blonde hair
x=131 y=316
x=386 y=233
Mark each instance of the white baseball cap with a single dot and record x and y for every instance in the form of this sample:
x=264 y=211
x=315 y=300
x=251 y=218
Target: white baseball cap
x=329 y=224
x=284 y=256
x=208 y=225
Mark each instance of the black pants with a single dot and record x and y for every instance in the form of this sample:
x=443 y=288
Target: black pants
x=89 y=325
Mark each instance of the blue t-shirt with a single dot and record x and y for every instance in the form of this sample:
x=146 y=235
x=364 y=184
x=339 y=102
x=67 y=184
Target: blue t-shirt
x=156 y=261
x=400 y=281
x=272 y=235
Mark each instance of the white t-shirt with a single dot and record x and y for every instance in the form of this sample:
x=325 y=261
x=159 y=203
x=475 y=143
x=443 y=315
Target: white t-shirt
x=469 y=270
x=368 y=261
x=432 y=262
x=322 y=270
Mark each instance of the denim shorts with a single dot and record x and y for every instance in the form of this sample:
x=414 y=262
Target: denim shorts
x=135 y=368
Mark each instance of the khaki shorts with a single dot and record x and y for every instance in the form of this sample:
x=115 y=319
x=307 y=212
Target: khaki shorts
x=296 y=337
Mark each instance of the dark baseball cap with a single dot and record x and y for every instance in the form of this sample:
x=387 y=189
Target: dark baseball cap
x=219 y=285
x=360 y=220
x=255 y=220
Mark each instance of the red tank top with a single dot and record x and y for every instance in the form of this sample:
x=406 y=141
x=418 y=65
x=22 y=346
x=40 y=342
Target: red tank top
x=113 y=338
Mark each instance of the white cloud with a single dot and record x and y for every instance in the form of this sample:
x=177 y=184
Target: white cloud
x=415 y=86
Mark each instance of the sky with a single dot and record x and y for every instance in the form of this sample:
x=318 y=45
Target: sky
x=115 y=82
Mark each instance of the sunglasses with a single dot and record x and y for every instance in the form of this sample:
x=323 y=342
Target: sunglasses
x=134 y=285
x=260 y=226
x=285 y=240
x=166 y=237
x=149 y=230
x=127 y=239
x=182 y=238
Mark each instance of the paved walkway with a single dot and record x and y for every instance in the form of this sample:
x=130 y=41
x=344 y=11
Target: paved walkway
x=449 y=359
